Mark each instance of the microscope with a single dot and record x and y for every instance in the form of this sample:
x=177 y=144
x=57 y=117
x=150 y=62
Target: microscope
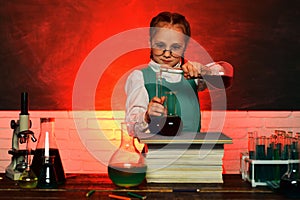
x=22 y=135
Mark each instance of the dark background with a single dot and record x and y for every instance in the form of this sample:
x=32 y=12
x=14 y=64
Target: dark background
x=44 y=42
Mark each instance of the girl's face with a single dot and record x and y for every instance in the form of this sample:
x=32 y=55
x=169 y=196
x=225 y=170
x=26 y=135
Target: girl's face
x=168 y=45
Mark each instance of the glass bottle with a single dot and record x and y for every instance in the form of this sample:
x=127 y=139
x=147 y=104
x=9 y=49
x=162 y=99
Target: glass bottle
x=126 y=167
x=47 y=126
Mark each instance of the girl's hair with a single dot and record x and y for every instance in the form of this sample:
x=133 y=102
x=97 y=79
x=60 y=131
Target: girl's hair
x=173 y=19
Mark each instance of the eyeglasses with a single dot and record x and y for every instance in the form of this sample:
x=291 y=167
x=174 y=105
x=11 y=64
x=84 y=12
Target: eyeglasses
x=175 y=50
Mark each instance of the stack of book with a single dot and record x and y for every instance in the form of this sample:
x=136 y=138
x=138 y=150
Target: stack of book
x=186 y=158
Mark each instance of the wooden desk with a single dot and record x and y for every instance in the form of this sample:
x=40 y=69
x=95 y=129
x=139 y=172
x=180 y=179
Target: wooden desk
x=78 y=185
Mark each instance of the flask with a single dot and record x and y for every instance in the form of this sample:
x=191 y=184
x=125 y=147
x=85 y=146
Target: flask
x=171 y=123
x=217 y=75
x=126 y=167
x=28 y=179
x=47 y=126
x=289 y=182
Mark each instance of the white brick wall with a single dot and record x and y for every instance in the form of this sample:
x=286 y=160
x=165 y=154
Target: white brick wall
x=97 y=134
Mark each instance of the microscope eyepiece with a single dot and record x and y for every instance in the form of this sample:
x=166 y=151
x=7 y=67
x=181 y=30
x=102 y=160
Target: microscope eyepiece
x=24 y=103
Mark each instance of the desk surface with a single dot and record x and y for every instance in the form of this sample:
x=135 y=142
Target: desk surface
x=78 y=185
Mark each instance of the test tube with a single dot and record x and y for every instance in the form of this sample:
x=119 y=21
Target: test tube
x=159 y=84
x=294 y=148
x=286 y=147
x=276 y=156
x=251 y=145
x=251 y=150
x=270 y=143
x=270 y=147
x=279 y=142
x=260 y=148
x=260 y=155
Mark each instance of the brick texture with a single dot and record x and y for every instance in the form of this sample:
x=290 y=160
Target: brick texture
x=87 y=139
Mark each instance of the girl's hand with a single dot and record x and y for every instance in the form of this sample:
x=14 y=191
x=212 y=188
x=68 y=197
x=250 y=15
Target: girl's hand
x=155 y=108
x=192 y=69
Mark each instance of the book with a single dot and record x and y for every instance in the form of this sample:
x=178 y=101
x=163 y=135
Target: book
x=186 y=158
x=185 y=138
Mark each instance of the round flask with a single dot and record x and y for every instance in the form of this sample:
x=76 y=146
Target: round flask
x=126 y=167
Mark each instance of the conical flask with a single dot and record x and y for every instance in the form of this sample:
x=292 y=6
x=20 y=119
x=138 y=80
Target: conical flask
x=47 y=127
x=289 y=182
x=169 y=123
x=126 y=167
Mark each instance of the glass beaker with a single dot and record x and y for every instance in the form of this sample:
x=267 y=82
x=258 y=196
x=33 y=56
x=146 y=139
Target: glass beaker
x=171 y=123
x=47 y=126
x=126 y=167
x=47 y=178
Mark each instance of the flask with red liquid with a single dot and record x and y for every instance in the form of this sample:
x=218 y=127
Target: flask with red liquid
x=47 y=126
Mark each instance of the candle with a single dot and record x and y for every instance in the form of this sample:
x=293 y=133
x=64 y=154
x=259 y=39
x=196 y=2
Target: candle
x=47 y=144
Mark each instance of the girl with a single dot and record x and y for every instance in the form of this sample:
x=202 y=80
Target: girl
x=169 y=37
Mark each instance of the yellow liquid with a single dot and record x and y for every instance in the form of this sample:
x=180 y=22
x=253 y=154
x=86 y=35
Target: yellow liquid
x=26 y=182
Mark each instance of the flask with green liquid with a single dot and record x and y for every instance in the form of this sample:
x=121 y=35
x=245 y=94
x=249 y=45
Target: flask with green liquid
x=126 y=167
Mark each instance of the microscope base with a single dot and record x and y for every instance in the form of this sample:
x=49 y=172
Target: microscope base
x=12 y=174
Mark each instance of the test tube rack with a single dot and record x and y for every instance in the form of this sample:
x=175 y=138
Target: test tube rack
x=248 y=167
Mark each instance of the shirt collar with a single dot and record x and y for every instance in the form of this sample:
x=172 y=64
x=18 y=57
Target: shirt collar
x=170 y=77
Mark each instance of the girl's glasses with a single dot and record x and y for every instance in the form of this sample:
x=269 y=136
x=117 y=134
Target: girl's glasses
x=160 y=49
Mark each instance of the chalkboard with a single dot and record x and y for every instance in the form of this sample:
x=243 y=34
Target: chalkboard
x=44 y=43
